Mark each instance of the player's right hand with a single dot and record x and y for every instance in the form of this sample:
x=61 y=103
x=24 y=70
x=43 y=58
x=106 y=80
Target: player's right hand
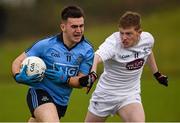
x=23 y=78
x=88 y=80
x=56 y=76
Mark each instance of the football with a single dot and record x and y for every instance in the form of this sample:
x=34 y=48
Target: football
x=35 y=65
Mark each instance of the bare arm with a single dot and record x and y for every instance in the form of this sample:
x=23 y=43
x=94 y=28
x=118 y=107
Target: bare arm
x=74 y=81
x=152 y=63
x=97 y=60
x=17 y=63
x=162 y=79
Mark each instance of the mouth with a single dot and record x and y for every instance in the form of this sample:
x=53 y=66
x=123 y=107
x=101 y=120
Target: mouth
x=77 y=36
x=125 y=44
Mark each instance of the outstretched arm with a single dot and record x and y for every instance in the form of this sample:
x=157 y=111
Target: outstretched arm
x=97 y=60
x=88 y=81
x=74 y=81
x=162 y=79
x=58 y=76
x=152 y=63
x=77 y=81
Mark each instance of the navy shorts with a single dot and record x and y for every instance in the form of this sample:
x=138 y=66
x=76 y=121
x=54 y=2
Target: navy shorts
x=37 y=97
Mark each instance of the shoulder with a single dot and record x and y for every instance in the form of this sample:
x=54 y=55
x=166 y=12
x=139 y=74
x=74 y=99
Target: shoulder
x=49 y=40
x=86 y=44
x=42 y=43
x=114 y=36
x=147 y=36
x=46 y=41
x=113 y=39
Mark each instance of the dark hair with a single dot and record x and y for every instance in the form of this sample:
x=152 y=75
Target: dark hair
x=130 y=19
x=72 y=11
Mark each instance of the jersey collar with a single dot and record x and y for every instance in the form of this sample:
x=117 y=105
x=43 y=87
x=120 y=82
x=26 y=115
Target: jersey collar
x=60 y=38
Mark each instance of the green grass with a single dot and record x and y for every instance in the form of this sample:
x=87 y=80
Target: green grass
x=160 y=103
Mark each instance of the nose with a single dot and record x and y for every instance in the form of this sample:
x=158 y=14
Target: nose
x=78 y=29
x=124 y=37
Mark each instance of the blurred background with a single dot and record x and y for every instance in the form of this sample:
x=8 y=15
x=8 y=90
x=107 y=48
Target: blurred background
x=22 y=22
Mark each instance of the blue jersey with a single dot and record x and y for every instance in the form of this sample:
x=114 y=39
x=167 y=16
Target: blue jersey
x=56 y=54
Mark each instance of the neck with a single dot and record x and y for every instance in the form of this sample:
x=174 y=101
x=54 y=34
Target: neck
x=67 y=42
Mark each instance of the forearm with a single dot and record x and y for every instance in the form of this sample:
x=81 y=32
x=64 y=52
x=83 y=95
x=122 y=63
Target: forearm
x=17 y=63
x=97 y=60
x=74 y=81
x=15 y=67
x=162 y=79
x=152 y=63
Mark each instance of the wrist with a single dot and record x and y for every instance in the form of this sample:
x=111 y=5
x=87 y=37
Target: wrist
x=15 y=76
x=68 y=80
x=94 y=74
x=157 y=74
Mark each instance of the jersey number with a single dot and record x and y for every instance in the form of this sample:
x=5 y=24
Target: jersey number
x=68 y=58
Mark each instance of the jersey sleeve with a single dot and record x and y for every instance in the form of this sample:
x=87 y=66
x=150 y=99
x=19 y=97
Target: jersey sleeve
x=36 y=49
x=87 y=62
x=106 y=50
x=151 y=42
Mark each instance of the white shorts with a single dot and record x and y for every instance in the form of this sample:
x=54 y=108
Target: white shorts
x=105 y=105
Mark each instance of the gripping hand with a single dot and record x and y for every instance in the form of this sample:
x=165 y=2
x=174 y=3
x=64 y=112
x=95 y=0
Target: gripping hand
x=23 y=78
x=56 y=76
x=88 y=81
x=162 y=79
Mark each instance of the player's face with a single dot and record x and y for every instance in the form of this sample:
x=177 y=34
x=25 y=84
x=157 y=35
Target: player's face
x=129 y=36
x=73 y=29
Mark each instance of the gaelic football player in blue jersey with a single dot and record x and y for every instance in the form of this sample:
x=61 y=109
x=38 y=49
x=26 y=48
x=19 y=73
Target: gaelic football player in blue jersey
x=68 y=56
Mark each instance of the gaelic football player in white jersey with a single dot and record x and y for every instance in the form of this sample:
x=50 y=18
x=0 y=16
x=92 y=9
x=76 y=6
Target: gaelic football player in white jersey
x=124 y=55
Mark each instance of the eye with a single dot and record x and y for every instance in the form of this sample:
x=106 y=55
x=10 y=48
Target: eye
x=74 y=26
x=81 y=26
x=128 y=33
x=121 y=33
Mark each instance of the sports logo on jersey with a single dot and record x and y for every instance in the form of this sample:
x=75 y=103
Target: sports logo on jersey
x=124 y=56
x=147 y=50
x=54 y=53
x=136 y=64
x=70 y=70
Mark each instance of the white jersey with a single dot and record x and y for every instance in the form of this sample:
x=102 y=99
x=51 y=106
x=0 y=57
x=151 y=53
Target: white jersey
x=123 y=66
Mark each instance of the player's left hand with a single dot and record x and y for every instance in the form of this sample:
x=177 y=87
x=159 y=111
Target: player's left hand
x=88 y=80
x=162 y=79
x=23 y=78
x=56 y=76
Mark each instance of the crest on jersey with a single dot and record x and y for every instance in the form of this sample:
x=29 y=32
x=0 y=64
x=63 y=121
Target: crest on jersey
x=136 y=64
x=79 y=59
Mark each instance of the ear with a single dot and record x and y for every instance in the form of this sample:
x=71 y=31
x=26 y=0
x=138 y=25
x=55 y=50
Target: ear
x=62 y=26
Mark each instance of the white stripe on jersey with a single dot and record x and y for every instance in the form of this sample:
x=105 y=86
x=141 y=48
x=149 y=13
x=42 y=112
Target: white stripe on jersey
x=123 y=66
